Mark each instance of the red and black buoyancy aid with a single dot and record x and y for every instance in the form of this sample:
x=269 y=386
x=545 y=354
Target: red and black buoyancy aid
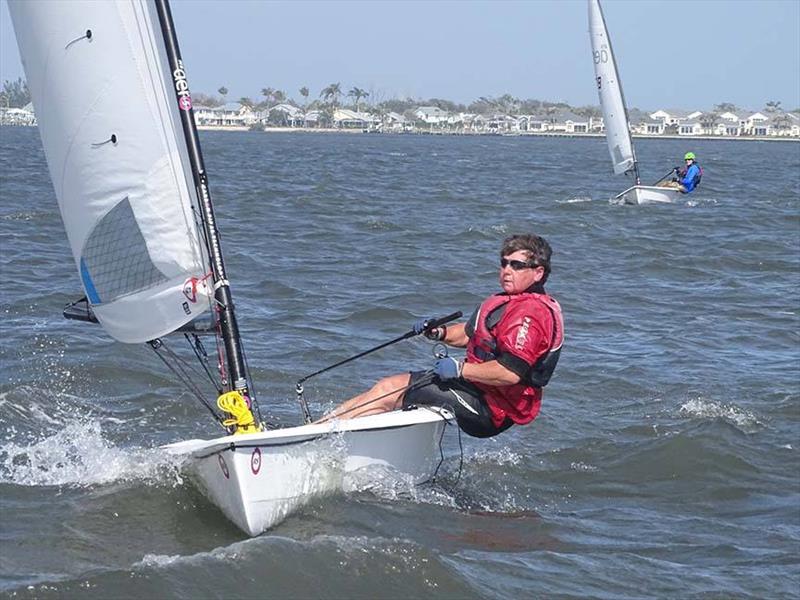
x=500 y=329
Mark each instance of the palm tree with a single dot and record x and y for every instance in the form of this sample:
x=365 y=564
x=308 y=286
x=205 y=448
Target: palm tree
x=782 y=122
x=709 y=121
x=223 y=91
x=248 y=102
x=773 y=106
x=279 y=96
x=332 y=93
x=16 y=93
x=357 y=93
x=304 y=94
x=267 y=92
x=507 y=104
x=725 y=107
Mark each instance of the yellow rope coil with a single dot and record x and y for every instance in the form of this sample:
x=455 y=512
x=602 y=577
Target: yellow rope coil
x=242 y=419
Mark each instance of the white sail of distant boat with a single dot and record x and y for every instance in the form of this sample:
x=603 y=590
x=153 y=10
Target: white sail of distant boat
x=115 y=117
x=615 y=114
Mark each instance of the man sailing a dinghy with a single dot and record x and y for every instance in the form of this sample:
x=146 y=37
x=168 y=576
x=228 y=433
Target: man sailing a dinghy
x=513 y=342
x=688 y=177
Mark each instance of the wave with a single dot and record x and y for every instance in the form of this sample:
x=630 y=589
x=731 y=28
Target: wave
x=576 y=200
x=80 y=455
x=742 y=419
x=59 y=439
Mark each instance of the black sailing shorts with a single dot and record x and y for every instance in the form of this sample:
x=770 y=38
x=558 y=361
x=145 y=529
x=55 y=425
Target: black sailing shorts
x=461 y=398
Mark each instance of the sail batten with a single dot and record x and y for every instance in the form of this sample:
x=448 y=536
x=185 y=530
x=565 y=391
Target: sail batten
x=609 y=87
x=111 y=132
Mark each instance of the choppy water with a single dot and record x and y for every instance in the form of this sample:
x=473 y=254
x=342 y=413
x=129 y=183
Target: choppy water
x=665 y=462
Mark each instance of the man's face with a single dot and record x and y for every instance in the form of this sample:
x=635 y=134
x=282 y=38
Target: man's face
x=517 y=274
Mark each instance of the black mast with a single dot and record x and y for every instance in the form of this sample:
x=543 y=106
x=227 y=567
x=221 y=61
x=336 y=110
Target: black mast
x=222 y=294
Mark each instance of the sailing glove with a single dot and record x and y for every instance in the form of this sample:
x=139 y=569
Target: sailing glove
x=436 y=334
x=448 y=368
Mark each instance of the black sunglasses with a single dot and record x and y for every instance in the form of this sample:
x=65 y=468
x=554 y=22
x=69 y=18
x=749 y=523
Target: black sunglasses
x=516 y=265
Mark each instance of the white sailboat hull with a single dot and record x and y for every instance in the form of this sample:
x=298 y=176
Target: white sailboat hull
x=648 y=194
x=258 y=479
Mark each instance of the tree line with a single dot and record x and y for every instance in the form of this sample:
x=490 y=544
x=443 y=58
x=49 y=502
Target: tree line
x=15 y=94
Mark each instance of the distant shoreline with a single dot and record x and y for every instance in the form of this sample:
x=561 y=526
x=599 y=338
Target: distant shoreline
x=306 y=130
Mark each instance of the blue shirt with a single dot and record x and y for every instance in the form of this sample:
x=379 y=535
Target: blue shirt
x=688 y=180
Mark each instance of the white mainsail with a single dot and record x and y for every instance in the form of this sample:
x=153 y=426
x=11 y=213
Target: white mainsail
x=102 y=90
x=609 y=87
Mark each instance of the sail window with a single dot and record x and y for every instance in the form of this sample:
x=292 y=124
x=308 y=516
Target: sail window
x=115 y=261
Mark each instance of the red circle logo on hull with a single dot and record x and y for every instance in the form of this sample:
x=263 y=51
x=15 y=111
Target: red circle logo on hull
x=224 y=466
x=255 y=461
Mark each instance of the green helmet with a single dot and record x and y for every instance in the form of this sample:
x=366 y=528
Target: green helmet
x=688 y=155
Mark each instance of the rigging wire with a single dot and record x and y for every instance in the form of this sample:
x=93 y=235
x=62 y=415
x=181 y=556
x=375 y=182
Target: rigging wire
x=178 y=367
x=213 y=303
x=202 y=357
x=251 y=388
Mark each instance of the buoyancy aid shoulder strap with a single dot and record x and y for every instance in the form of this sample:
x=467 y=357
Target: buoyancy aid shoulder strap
x=491 y=319
x=540 y=372
x=558 y=323
x=699 y=175
x=495 y=315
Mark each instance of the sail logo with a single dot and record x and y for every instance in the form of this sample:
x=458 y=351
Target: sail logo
x=182 y=88
x=190 y=289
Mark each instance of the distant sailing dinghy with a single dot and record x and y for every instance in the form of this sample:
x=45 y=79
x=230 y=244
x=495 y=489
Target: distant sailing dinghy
x=116 y=122
x=615 y=115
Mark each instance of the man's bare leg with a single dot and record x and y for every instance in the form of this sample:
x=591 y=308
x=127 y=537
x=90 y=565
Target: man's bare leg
x=385 y=395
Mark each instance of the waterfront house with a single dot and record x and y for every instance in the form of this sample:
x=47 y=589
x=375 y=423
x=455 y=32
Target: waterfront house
x=674 y=117
x=728 y=124
x=286 y=115
x=396 y=122
x=532 y=123
x=691 y=126
x=646 y=125
x=349 y=119
x=729 y=116
x=725 y=128
x=231 y=114
x=18 y=116
x=783 y=124
x=756 y=124
x=499 y=123
x=569 y=122
x=313 y=118
x=474 y=123
x=431 y=115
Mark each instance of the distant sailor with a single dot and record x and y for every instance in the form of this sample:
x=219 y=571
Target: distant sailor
x=686 y=178
x=513 y=342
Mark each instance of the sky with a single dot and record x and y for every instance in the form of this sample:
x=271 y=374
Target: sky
x=670 y=53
